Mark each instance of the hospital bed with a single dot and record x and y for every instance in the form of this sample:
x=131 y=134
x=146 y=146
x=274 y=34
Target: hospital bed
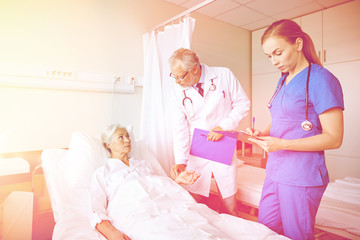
x=68 y=172
x=339 y=211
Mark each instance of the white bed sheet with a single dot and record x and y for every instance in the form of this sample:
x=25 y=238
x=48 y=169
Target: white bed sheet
x=249 y=184
x=340 y=206
x=71 y=207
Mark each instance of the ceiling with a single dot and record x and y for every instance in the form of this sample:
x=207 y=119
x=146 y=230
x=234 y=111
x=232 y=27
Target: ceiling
x=256 y=14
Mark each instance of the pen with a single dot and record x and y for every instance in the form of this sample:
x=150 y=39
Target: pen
x=253 y=124
x=223 y=93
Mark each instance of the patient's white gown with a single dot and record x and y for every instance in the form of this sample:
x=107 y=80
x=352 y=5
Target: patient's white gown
x=147 y=206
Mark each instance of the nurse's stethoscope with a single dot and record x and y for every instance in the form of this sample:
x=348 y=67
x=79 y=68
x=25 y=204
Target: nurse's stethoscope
x=187 y=99
x=306 y=125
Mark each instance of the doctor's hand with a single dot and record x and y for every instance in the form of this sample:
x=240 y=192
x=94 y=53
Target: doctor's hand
x=187 y=177
x=214 y=136
x=176 y=170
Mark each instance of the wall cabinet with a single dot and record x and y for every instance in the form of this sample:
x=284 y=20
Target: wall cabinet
x=263 y=87
x=335 y=32
x=348 y=74
x=341 y=33
x=260 y=63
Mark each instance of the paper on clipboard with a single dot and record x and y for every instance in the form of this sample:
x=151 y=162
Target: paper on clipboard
x=221 y=151
x=244 y=136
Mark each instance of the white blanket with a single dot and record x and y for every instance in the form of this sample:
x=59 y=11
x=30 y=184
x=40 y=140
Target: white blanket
x=155 y=207
x=180 y=217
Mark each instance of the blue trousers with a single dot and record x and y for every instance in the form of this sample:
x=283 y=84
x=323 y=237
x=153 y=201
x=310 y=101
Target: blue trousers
x=290 y=210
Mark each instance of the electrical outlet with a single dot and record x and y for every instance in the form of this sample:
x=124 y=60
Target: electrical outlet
x=58 y=74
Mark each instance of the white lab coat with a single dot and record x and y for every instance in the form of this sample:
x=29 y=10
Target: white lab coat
x=224 y=107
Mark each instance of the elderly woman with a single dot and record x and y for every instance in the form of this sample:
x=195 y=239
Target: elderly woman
x=125 y=188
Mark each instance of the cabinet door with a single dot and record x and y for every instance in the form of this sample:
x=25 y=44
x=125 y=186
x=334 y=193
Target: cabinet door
x=349 y=76
x=263 y=87
x=312 y=25
x=341 y=33
x=260 y=63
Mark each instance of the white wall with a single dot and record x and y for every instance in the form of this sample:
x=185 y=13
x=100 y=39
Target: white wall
x=93 y=37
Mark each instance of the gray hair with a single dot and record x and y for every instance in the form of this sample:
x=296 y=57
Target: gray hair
x=185 y=57
x=107 y=134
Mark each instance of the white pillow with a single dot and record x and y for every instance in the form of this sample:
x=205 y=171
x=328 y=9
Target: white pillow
x=85 y=154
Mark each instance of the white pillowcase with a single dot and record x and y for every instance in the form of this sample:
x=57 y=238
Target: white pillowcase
x=86 y=153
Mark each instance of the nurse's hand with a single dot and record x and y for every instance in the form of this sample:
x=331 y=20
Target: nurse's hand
x=252 y=132
x=176 y=170
x=269 y=144
x=214 y=136
x=187 y=177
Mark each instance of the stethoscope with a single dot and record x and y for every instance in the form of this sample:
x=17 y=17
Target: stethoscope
x=188 y=99
x=306 y=125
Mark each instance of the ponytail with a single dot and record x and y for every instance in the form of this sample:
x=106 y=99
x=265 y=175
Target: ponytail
x=309 y=50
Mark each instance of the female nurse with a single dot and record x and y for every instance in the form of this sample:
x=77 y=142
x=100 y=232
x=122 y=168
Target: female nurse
x=306 y=119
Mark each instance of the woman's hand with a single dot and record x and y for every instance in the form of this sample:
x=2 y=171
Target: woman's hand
x=332 y=124
x=252 y=132
x=110 y=232
x=187 y=177
x=117 y=235
x=213 y=135
x=269 y=144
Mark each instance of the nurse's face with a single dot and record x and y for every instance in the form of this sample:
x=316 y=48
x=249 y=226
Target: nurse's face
x=282 y=54
x=120 y=142
x=183 y=78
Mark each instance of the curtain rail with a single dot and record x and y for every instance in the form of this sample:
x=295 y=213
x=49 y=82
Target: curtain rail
x=190 y=10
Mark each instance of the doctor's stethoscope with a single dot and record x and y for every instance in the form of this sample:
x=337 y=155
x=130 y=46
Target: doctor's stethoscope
x=306 y=125
x=188 y=99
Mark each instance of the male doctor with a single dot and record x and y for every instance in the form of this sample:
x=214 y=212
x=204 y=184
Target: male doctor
x=209 y=98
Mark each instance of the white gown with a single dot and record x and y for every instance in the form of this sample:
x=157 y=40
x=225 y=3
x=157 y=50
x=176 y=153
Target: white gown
x=147 y=206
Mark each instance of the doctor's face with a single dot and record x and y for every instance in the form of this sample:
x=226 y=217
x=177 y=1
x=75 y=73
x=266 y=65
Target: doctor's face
x=120 y=142
x=282 y=54
x=183 y=78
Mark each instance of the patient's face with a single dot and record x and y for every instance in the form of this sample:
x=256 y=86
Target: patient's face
x=120 y=142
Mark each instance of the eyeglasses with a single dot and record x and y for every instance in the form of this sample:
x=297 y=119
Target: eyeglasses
x=179 y=78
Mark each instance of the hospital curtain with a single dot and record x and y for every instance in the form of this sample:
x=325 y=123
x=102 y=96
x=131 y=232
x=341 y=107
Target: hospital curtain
x=155 y=126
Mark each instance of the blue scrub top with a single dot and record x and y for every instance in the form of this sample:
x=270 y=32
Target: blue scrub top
x=300 y=168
